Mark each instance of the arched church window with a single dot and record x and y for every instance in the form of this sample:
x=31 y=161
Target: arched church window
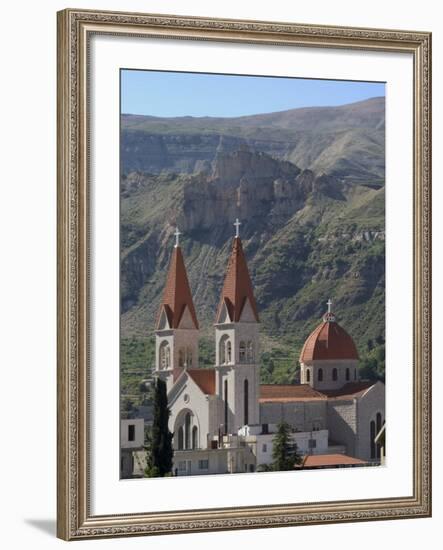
x=187 y=431
x=308 y=375
x=188 y=357
x=222 y=350
x=228 y=352
x=372 y=438
x=378 y=423
x=250 y=351
x=165 y=355
x=246 y=401
x=194 y=437
x=180 y=438
x=225 y=391
x=320 y=375
x=334 y=374
x=181 y=357
x=348 y=374
x=242 y=352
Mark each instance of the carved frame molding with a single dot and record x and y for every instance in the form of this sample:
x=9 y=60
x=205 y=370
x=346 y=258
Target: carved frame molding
x=75 y=27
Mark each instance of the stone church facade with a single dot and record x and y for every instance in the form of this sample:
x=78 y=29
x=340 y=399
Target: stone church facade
x=222 y=418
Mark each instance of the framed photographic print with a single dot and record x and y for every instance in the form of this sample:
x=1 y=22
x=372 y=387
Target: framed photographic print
x=243 y=274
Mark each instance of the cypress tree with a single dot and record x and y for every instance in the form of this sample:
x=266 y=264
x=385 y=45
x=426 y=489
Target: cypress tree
x=285 y=452
x=160 y=451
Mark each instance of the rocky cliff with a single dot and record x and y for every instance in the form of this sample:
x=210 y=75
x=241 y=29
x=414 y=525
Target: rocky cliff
x=307 y=237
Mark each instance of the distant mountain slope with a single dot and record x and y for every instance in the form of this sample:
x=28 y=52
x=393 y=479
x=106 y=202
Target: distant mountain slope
x=345 y=141
x=307 y=237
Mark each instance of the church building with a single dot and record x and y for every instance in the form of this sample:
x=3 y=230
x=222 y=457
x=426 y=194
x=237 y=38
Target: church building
x=222 y=419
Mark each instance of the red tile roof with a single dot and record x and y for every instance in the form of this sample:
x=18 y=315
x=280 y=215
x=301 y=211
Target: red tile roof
x=204 y=378
x=319 y=461
x=349 y=390
x=176 y=372
x=177 y=294
x=281 y=393
x=237 y=287
x=287 y=393
x=328 y=341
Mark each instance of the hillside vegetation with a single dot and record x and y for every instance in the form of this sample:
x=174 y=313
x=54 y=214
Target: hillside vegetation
x=308 y=187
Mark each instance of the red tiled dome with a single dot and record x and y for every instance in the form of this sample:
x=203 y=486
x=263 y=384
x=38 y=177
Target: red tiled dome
x=328 y=341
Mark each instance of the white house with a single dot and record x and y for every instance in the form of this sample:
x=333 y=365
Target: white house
x=132 y=436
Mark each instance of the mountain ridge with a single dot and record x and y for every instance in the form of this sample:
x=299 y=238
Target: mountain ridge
x=346 y=141
x=377 y=101
x=312 y=228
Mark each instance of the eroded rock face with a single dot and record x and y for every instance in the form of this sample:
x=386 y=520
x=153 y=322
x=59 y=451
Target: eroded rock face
x=305 y=235
x=247 y=185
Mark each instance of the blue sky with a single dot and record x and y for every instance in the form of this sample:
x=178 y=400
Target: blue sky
x=170 y=94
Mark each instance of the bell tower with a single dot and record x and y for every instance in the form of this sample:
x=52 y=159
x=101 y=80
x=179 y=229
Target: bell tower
x=237 y=344
x=177 y=330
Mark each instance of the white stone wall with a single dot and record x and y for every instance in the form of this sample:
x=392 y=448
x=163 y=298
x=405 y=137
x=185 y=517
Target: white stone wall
x=236 y=333
x=342 y=423
x=236 y=372
x=303 y=416
x=215 y=406
x=188 y=397
x=177 y=339
x=139 y=433
x=349 y=421
x=264 y=444
x=372 y=402
x=239 y=374
x=165 y=374
x=218 y=461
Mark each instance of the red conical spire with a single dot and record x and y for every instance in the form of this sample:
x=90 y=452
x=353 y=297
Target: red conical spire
x=237 y=288
x=177 y=294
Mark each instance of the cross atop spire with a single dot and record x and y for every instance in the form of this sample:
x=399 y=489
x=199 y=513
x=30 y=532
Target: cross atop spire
x=329 y=303
x=177 y=235
x=237 y=227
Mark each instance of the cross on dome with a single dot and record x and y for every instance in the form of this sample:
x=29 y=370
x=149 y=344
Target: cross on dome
x=237 y=227
x=177 y=235
x=329 y=316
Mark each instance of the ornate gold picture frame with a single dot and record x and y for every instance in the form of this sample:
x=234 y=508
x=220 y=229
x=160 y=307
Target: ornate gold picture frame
x=75 y=517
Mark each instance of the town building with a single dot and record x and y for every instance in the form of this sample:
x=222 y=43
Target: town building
x=132 y=438
x=222 y=418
